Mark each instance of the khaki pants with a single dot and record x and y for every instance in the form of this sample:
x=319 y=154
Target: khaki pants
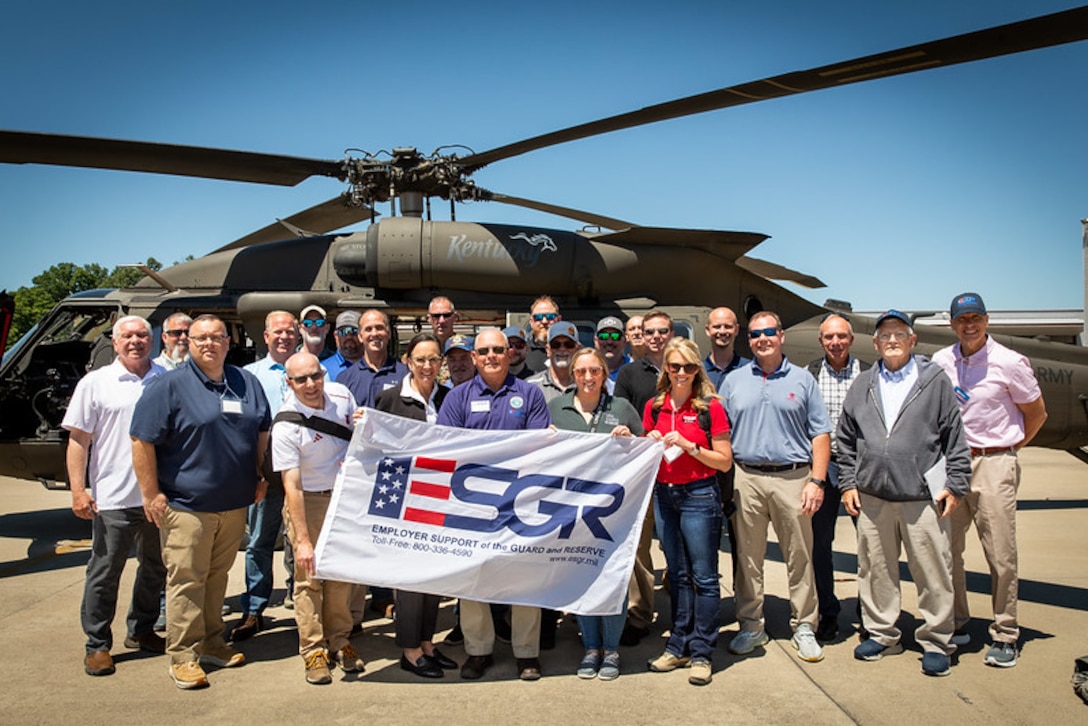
x=198 y=549
x=640 y=589
x=479 y=629
x=883 y=528
x=991 y=505
x=322 y=607
x=764 y=498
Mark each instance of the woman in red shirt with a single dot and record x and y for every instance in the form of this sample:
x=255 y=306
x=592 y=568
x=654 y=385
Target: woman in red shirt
x=687 y=504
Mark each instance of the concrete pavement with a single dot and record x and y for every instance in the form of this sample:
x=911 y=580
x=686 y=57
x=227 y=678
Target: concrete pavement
x=41 y=577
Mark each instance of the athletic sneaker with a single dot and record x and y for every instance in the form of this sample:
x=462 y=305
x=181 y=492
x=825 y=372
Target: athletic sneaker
x=668 y=662
x=871 y=650
x=748 y=640
x=935 y=664
x=610 y=667
x=701 y=673
x=1002 y=655
x=188 y=675
x=804 y=640
x=591 y=662
x=961 y=637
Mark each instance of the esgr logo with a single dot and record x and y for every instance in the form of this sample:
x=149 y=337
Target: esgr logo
x=437 y=491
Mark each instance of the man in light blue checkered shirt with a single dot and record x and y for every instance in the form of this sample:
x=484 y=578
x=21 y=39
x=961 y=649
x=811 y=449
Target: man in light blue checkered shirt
x=834 y=372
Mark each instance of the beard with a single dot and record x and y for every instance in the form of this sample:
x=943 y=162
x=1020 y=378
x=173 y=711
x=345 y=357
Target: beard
x=310 y=339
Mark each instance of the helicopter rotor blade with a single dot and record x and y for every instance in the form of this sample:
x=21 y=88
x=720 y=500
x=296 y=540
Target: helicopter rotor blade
x=20 y=147
x=598 y=220
x=725 y=244
x=1042 y=32
x=328 y=216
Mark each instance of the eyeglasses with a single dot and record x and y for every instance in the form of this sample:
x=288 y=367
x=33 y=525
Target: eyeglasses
x=441 y=316
x=590 y=371
x=314 y=323
x=656 y=331
x=687 y=368
x=496 y=349
x=426 y=360
x=209 y=339
x=550 y=317
x=609 y=335
x=760 y=332
x=515 y=343
x=563 y=344
x=897 y=335
x=177 y=333
x=347 y=330
x=301 y=380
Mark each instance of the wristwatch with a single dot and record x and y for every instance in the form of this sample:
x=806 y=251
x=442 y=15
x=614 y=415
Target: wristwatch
x=821 y=482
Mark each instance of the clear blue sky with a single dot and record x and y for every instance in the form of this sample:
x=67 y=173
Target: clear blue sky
x=901 y=192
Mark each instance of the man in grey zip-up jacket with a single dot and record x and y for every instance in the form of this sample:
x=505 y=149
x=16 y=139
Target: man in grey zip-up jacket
x=904 y=465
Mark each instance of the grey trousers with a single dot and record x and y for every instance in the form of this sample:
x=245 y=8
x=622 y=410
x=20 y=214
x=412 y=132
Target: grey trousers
x=113 y=534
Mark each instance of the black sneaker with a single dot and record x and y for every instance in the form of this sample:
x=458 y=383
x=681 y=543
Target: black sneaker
x=828 y=629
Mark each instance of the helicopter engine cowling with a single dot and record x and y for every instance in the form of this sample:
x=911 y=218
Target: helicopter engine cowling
x=406 y=253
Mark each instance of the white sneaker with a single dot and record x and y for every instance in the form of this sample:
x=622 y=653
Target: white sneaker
x=804 y=640
x=748 y=640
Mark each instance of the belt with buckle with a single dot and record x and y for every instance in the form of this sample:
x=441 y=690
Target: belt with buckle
x=775 y=467
x=991 y=451
x=322 y=493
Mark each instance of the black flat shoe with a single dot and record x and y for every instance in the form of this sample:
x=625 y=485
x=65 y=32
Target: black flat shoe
x=444 y=662
x=424 y=667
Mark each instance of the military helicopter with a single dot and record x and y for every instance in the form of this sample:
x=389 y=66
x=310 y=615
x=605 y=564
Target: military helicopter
x=492 y=271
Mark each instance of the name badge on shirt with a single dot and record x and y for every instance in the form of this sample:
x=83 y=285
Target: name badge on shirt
x=481 y=406
x=961 y=395
x=231 y=406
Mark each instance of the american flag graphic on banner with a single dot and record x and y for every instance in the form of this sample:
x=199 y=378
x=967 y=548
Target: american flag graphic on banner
x=412 y=488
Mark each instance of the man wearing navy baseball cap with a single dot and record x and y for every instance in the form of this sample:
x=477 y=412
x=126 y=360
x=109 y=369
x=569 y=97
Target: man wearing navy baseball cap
x=1002 y=409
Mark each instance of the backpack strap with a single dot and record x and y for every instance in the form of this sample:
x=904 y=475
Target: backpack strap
x=316 y=423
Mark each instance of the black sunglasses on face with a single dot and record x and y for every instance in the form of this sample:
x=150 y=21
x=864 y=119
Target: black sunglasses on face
x=301 y=380
x=177 y=333
x=347 y=330
x=550 y=317
x=496 y=349
x=687 y=368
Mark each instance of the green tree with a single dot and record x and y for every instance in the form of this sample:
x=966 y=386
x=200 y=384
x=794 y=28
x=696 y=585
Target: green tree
x=60 y=281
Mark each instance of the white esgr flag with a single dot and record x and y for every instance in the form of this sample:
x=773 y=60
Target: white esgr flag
x=542 y=518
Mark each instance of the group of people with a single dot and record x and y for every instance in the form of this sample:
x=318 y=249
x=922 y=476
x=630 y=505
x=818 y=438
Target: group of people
x=178 y=454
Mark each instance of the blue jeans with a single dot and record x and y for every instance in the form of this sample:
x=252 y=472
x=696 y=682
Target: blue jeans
x=265 y=522
x=602 y=631
x=689 y=525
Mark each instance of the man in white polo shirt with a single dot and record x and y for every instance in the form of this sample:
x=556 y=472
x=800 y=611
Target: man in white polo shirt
x=309 y=459
x=99 y=451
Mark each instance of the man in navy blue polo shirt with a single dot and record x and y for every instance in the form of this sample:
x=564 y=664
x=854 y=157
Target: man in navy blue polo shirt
x=376 y=370
x=197 y=439
x=496 y=400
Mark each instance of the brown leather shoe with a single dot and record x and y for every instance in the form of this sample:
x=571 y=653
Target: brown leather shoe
x=529 y=669
x=98 y=663
x=151 y=642
x=476 y=666
x=246 y=628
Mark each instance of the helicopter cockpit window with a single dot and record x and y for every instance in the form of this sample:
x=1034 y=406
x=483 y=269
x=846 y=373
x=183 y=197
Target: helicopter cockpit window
x=43 y=369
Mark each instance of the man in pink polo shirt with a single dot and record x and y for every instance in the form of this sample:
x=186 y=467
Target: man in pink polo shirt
x=1002 y=410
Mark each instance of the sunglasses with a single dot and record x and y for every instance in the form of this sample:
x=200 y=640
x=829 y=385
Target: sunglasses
x=760 y=332
x=550 y=317
x=515 y=343
x=687 y=368
x=562 y=345
x=176 y=333
x=607 y=335
x=656 y=331
x=496 y=349
x=314 y=323
x=441 y=316
x=590 y=371
x=347 y=330
x=301 y=380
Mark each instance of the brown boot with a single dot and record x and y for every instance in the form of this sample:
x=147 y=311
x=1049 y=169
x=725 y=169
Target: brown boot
x=98 y=663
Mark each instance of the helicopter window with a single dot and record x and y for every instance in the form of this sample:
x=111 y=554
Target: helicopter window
x=752 y=306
